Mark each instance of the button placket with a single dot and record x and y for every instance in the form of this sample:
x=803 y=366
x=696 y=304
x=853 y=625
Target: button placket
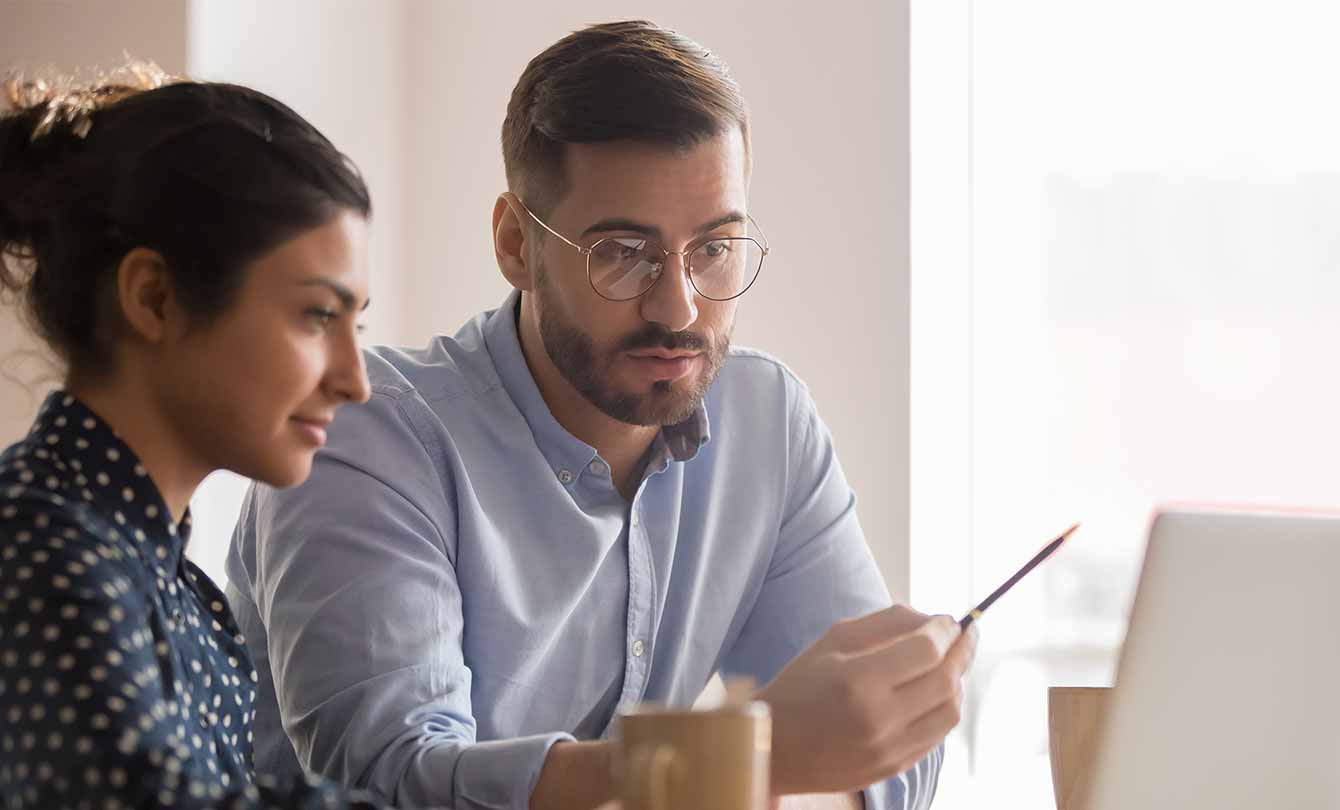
x=641 y=619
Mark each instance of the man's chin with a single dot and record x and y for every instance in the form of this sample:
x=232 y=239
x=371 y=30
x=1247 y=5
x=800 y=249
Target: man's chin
x=667 y=403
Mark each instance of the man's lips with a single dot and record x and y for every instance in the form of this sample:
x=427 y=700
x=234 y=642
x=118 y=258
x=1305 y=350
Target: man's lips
x=659 y=366
x=664 y=354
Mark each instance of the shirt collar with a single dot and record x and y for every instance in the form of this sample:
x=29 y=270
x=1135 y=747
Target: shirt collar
x=563 y=450
x=103 y=472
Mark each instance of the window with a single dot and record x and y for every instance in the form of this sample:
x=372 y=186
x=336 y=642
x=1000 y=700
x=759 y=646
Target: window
x=1125 y=292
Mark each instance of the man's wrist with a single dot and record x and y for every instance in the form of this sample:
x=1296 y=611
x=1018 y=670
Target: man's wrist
x=819 y=801
x=574 y=775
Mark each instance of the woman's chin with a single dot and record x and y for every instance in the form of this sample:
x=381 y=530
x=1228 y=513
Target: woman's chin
x=289 y=471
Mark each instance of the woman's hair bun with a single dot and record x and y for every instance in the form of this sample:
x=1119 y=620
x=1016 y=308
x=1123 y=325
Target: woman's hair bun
x=46 y=117
x=209 y=175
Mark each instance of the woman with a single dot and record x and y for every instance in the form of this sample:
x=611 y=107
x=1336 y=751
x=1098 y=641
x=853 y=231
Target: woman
x=196 y=255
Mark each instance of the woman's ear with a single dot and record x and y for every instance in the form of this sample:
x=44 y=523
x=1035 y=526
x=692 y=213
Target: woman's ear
x=145 y=295
x=509 y=241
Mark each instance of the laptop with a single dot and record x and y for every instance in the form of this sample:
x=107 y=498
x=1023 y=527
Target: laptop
x=1228 y=688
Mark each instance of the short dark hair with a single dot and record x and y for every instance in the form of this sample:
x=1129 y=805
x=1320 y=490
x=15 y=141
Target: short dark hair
x=211 y=176
x=628 y=80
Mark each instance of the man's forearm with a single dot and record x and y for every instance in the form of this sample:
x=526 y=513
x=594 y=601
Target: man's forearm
x=578 y=776
x=823 y=801
x=575 y=776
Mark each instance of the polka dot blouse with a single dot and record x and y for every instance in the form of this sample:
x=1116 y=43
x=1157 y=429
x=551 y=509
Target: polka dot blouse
x=124 y=682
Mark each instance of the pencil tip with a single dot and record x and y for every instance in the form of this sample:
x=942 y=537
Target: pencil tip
x=1069 y=532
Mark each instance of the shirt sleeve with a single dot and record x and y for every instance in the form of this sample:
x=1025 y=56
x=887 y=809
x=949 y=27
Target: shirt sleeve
x=88 y=720
x=821 y=572
x=356 y=586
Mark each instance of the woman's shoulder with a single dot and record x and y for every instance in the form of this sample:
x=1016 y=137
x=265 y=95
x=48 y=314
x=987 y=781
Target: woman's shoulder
x=51 y=542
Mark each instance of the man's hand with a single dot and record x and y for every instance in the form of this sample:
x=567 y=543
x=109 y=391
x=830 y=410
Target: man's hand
x=868 y=700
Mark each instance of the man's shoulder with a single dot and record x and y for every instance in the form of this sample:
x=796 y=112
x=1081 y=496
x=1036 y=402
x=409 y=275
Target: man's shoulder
x=446 y=368
x=418 y=396
x=757 y=372
x=756 y=395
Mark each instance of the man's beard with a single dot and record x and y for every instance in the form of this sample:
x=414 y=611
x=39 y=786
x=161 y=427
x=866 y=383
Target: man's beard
x=572 y=351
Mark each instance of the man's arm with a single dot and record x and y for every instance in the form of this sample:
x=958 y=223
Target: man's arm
x=889 y=677
x=576 y=776
x=821 y=801
x=356 y=585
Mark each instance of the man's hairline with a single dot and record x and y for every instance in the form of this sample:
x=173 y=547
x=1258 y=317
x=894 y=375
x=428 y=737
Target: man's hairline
x=546 y=209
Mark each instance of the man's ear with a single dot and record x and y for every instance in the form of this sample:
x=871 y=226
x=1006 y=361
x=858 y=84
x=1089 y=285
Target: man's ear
x=145 y=296
x=509 y=241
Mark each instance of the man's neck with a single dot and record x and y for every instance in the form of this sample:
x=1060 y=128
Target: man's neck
x=621 y=445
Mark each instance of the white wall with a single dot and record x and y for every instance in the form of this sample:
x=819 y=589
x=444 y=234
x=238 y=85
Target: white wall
x=415 y=92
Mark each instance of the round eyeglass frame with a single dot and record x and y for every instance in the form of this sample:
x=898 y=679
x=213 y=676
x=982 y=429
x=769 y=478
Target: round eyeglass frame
x=682 y=254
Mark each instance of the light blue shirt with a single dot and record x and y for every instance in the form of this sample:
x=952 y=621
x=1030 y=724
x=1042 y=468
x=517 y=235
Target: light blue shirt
x=458 y=585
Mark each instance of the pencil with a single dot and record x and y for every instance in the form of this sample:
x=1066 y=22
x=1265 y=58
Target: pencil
x=976 y=613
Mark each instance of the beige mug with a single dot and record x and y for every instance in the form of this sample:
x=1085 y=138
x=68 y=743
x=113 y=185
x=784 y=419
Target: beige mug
x=1074 y=719
x=666 y=759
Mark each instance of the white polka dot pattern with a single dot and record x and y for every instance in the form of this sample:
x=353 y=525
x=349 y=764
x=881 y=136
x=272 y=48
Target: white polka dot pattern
x=124 y=681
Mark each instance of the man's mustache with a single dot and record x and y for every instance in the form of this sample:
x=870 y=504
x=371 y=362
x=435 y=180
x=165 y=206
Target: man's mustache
x=656 y=336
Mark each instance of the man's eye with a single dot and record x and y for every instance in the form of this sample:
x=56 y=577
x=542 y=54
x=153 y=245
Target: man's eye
x=611 y=251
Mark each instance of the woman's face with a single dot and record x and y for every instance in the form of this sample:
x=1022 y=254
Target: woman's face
x=253 y=391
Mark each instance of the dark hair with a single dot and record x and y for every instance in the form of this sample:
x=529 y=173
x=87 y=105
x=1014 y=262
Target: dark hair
x=616 y=81
x=211 y=176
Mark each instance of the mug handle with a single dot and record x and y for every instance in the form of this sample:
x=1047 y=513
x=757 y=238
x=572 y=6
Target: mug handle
x=649 y=772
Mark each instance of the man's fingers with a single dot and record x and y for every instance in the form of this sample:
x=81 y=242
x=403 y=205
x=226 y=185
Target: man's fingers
x=971 y=640
x=875 y=629
x=908 y=657
x=928 y=730
x=922 y=694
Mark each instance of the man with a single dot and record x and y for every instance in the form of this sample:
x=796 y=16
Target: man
x=588 y=499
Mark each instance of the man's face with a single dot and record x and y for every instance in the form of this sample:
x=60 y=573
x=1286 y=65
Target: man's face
x=648 y=361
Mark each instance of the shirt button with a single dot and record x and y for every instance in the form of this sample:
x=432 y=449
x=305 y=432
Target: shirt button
x=638 y=648
x=598 y=467
x=637 y=521
x=564 y=477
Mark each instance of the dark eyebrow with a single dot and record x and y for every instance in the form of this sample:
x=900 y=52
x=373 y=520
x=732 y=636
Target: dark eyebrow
x=345 y=295
x=616 y=224
x=726 y=219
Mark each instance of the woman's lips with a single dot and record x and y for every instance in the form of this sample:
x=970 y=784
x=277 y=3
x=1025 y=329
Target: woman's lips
x=313 y=431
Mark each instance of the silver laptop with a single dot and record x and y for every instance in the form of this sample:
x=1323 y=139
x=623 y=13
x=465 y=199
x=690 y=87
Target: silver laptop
x=1228 y=690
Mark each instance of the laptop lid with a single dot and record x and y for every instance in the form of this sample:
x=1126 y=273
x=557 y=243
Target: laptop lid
x=1228 y=687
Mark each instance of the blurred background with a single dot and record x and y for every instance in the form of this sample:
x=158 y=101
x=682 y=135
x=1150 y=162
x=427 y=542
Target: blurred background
x=1039 y=261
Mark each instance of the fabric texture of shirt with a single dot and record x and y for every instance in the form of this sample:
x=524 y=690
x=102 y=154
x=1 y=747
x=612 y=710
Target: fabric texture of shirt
x=459 y=585
x=124 y=682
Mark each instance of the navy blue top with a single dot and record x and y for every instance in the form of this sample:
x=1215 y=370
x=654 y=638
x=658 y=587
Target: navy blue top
x=124 y=681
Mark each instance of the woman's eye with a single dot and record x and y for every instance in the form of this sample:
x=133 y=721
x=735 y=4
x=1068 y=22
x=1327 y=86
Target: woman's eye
x=323 y=317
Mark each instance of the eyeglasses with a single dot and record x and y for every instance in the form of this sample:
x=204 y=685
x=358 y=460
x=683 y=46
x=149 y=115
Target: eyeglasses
x=621 y=268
